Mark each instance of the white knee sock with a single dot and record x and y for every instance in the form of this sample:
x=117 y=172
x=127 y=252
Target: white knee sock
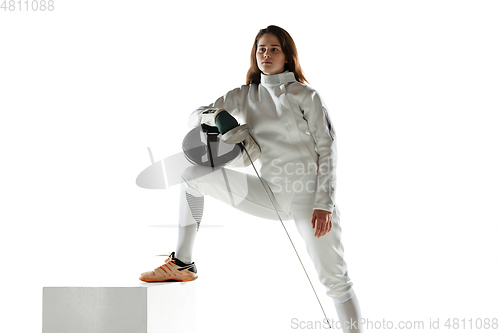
x=190 y=214
x=349 y=315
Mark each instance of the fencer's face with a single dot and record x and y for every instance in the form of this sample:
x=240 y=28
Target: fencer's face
x=270 y=57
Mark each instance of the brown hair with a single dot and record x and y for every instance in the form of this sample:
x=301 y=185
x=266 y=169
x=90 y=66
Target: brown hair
x=289 y=49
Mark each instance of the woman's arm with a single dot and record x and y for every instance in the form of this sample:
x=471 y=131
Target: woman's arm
x=323 y=133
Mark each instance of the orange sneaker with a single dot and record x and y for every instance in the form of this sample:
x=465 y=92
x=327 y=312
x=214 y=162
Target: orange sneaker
x=172 y=270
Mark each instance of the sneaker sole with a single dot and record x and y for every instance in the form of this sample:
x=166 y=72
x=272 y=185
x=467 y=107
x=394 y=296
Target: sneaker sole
x=184 y=280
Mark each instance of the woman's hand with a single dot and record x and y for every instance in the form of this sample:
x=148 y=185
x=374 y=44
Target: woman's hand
x=322 y=220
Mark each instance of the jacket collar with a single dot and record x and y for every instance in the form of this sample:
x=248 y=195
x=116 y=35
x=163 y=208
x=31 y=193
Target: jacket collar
x=281 y=78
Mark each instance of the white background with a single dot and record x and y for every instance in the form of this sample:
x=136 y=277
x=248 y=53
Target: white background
x=412 y=88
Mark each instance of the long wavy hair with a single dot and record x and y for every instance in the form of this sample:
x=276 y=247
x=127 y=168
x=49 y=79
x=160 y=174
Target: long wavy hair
x=289 y=49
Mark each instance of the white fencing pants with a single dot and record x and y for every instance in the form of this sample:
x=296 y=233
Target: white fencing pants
x=246 y=193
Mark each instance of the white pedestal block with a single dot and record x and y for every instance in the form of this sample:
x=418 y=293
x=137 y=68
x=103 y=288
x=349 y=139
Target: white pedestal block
x=144 y=308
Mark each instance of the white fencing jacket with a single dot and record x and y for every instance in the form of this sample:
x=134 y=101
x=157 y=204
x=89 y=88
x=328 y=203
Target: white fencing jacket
x=290 y=123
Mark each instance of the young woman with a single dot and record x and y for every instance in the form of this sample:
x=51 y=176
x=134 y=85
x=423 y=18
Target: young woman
x=291 y=125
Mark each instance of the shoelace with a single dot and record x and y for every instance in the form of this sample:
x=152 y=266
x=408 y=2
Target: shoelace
x=164 y=255
x=170 y=260
x=167 y=261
